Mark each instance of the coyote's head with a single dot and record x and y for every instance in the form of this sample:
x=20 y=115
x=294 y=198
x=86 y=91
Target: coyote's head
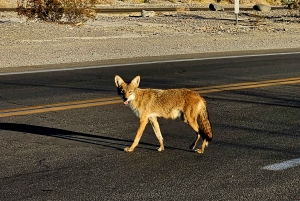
x=127 y=90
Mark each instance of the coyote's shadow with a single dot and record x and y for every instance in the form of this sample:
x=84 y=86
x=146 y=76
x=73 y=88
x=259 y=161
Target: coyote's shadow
x=110 y=142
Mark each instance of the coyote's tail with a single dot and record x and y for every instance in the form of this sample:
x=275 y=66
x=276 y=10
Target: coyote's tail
x=205 y=124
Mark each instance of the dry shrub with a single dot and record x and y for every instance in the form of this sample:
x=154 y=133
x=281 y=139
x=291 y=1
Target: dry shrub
x=292 y=4
x=71 y=11
x=111 y=2
x=186 y=1
x=199 y=1
x=274 y=2
x=183 y=9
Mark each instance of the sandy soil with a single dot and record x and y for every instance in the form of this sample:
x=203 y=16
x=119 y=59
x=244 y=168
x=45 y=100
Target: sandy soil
x=31 y=43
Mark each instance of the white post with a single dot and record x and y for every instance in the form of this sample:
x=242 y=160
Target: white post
x=236 y=10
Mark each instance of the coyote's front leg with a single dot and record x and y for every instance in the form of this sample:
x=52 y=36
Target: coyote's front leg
x=138 y=135
x=155 y=126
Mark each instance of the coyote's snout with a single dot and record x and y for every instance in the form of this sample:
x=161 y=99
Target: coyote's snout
x=148 y=104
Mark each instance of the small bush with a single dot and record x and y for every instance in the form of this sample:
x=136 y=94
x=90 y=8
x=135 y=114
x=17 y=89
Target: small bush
x=71 y=11
x=292 y=4
x=183 y=9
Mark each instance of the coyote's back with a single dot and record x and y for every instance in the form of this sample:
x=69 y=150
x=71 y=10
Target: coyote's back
x=148 y=104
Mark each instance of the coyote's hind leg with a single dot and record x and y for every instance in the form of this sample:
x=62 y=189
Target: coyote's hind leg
x=194 y=144
x=204 y=144
x=192 y=122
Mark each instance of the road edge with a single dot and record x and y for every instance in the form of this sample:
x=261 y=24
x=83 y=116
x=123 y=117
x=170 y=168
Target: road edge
x=140 y=60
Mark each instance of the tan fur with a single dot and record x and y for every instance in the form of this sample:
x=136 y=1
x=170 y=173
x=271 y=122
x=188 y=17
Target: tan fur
x=148 y=104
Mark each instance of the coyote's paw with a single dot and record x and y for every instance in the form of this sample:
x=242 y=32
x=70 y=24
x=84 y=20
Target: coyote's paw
x=160 y=149
x=192 y=147
x=127 y=149
x=200 y=151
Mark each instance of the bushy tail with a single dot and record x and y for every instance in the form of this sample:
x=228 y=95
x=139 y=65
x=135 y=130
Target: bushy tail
x=205 y=124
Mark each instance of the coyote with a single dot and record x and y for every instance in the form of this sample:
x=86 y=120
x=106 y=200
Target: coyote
x=148 y=104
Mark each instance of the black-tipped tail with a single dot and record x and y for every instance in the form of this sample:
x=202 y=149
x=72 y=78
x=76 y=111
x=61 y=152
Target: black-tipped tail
x=206 y=136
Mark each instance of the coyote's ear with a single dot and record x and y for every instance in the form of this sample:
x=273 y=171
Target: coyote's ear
x=118 y=80
x=136 y=81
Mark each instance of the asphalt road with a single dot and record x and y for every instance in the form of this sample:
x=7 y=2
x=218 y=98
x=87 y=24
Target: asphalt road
x=76 y=154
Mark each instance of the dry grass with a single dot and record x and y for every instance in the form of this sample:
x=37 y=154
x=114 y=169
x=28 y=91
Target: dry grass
x=183 y=9
x=70 y=11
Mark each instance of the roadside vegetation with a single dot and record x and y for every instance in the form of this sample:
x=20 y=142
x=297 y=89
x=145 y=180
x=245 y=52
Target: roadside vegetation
x=79 y=11
x=64 y=11
x=292 y=4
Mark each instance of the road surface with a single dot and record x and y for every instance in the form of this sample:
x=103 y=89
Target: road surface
x=75 y=152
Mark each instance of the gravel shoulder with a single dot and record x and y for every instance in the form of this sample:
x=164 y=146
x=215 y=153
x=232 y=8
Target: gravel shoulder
x=127 y=36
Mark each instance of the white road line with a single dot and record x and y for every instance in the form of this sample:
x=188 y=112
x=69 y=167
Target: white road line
x=144 y=63
x=283 y=165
